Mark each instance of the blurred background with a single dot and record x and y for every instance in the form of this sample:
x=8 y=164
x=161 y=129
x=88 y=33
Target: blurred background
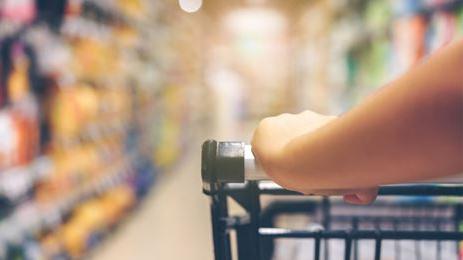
x=104 y=105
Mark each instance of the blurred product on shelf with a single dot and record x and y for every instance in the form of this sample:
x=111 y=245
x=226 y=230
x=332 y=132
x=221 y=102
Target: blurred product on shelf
x=347 y=49
x=84 y=122
x=393 y=36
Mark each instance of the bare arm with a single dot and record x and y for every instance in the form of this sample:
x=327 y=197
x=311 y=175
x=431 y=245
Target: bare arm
x=410 y=130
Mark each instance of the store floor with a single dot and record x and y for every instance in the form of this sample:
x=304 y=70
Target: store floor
x=172 y=223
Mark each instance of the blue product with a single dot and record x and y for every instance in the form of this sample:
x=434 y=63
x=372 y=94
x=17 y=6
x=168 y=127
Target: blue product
x=144 y=178
x=407 y=7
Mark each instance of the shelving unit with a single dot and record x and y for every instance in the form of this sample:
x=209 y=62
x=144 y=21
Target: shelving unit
x=393 y=39
x=82 y=116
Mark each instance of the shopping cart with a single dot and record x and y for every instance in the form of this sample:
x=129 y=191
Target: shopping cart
x=406 y=222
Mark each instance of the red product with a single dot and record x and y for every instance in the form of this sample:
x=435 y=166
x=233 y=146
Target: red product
x=409 y=40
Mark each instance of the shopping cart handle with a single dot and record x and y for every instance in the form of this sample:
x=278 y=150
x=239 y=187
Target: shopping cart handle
x=228 y=162
x=233 y=162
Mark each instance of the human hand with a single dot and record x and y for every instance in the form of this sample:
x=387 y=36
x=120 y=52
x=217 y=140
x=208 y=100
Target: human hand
x=270 y=139
x=273 y=133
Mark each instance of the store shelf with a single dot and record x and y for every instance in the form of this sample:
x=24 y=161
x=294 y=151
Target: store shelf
x=19 y=224
x=81 y=121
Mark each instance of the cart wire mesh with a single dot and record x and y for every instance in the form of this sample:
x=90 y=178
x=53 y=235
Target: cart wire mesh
x=419 y=221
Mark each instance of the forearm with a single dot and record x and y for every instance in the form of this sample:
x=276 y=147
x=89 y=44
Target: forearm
x=410 y=130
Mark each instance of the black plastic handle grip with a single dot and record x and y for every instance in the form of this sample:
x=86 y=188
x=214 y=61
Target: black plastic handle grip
x=222 y=162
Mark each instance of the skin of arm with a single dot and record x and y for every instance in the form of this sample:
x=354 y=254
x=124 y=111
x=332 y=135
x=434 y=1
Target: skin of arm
x=410 y=130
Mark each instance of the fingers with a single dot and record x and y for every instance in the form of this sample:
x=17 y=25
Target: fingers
x=362 y=197
x=357 y=197
x=331 y=192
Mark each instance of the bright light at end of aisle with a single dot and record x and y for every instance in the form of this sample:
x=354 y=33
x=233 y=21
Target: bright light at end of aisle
x=190 y=6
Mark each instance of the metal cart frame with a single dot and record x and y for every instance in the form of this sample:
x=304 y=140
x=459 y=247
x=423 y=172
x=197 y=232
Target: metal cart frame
x=255 y=230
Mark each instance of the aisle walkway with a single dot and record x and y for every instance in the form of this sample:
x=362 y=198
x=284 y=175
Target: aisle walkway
x=172 y=224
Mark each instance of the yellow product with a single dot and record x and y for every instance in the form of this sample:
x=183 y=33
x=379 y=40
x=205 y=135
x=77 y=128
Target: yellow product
x=74 y=237
x=18 y=82
x=93 y=59
x=122 y=198
x=60 y=183
x=169 y=145
x=65 y=115
x=111 y=212
x=132 y=8
x=91 y=215
x=87 y=100
x=168 y=148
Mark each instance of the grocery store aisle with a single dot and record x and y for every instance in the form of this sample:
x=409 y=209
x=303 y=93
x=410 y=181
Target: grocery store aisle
x=173 y=222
